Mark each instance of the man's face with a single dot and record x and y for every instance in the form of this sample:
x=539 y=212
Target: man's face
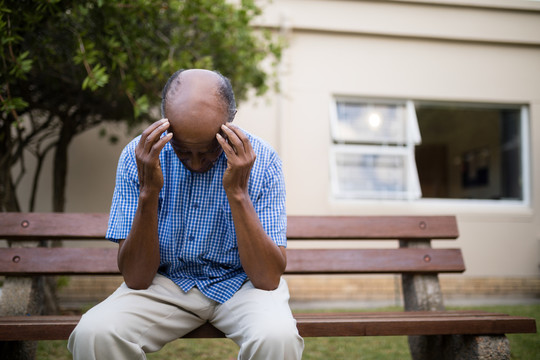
x=197 y=157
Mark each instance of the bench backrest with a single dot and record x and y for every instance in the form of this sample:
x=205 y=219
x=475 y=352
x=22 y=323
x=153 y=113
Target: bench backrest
x=17 y=227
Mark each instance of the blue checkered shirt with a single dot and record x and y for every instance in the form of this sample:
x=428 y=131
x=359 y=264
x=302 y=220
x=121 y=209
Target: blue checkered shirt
x=196 y=231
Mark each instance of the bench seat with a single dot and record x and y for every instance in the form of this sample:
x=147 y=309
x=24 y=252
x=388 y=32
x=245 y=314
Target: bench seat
x=311 y=325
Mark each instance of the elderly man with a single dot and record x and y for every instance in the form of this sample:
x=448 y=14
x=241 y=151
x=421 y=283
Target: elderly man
x=199 y=216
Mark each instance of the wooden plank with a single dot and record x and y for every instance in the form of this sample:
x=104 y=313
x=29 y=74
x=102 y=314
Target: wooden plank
x=313 y=325
x=102 y=261
x=37 y=327
x=403 y=260
x=58 y=261
x=412 y=324
x=19 y=226
x=372 y=227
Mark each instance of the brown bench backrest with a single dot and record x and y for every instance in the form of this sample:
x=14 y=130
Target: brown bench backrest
x=50 y=226
x=23 y=226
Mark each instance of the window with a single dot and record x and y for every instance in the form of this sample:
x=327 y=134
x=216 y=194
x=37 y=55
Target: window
x=472 y=151
x=408 y=150
x=373 y=149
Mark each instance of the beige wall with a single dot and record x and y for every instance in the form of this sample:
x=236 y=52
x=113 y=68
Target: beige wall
x=489 y=52
x=408 y=50
x=91 y=173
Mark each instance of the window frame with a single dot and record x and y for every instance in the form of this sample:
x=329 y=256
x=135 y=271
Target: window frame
x=399 y=151
x=412 y=104
x=403 y=147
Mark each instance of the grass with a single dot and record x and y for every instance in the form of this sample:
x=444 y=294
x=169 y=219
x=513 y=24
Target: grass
x=523 y=346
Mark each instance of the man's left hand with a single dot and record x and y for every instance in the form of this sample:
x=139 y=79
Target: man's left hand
x=240 y=159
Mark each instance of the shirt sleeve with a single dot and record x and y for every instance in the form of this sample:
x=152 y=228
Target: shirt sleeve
x=125 y=196
x=270 y=205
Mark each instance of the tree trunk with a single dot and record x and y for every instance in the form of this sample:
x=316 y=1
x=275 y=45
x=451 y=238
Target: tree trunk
x=61 y=165
x=8 y=196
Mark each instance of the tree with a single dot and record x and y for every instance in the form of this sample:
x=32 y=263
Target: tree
x=68 y=66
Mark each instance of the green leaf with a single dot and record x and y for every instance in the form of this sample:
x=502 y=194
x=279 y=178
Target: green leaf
x=142 y=105
x=13 y=104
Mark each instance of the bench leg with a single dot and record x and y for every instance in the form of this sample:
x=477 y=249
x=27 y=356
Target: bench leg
x=20 y=296
x=460 y=347
x=495 y=347
x=18 y=350
x=422 y=292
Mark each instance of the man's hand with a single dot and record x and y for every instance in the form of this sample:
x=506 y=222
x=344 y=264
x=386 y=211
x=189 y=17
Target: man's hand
x=240 y=159
x=263 y=261
x=147 y=156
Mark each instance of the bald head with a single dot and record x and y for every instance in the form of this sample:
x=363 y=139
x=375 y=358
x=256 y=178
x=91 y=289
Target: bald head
x=196 y=91
x=196 y=107
x=175 y=84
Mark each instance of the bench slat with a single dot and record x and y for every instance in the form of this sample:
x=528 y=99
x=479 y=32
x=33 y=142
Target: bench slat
x=312 y=325
x=372 y=227
x=58 y=261
x=22 y=226
x=373 y=261
x=19 y=226
x=72 y=261
x=410 y=323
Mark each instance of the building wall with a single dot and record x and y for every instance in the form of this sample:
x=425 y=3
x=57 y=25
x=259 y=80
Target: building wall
x=485 y=52
x=464 y=51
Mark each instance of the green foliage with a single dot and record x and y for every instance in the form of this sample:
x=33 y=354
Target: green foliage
x=119 y=54
x=13 y=104
x=70 y=65
x=62 y=281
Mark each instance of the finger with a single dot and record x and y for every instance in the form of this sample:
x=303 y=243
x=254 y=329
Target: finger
x=159 y=145
x=225 y=145
x=150 y=160
x=247 y=149
x=152 y=127
x=234 y=135
x=239 y=132
x=152 y=134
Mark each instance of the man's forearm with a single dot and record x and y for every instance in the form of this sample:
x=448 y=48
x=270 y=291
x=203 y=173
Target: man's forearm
x=138 y=255
x=263 y=261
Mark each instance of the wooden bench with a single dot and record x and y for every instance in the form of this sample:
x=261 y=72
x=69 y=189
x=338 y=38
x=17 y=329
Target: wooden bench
x=434 y=333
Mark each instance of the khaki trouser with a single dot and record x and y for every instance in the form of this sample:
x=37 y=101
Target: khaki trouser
x=130 y=323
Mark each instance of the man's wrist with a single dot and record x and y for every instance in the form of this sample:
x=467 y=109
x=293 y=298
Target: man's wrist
x=237 y=197
x=148 y=194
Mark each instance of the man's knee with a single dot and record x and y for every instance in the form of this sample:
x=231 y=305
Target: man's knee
x=278 y=332
x=90 y=332
x=277 y=338
x=96 y=337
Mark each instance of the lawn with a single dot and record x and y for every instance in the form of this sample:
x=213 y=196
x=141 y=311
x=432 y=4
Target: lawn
x=523 y=346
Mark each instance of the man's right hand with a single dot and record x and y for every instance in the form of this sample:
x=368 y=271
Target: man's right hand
x=147 y=156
